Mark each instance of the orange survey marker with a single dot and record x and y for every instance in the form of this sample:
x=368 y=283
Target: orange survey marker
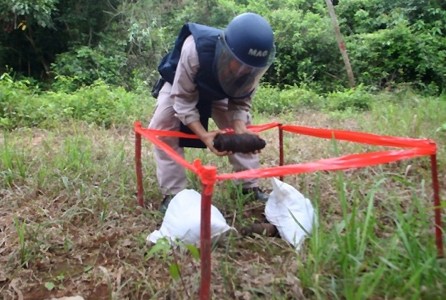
x=407 y=148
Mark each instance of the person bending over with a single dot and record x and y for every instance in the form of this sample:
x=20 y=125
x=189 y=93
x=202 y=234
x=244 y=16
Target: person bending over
x=210 y=73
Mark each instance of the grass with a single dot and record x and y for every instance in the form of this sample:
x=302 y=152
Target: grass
x=69 y=223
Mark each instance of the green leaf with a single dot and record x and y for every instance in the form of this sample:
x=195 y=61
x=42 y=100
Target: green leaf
x=174 y=270
x=442 y=128
x=162 y=246
x=49 y=286
x=193 y=251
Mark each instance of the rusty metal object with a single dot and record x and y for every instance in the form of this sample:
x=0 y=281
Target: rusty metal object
x=243 y=143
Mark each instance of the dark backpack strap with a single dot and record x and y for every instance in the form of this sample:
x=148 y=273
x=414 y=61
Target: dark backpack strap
x=157 y=87
x=205 y=109
x=168 y=64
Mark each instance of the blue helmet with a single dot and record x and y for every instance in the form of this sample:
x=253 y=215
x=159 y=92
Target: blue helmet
x=251 y=39
x=244 y=52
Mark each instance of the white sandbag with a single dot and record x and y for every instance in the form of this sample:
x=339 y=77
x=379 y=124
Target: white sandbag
x=182 y=220
x=290 y=212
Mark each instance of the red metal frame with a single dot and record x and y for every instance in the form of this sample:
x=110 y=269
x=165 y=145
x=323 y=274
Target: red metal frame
x=208 y=180
x=138 y=166
x=209 y=176
x=437 y=207
x=281 y=160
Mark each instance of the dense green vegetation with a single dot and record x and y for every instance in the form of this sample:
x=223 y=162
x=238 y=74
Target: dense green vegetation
x=121 y=41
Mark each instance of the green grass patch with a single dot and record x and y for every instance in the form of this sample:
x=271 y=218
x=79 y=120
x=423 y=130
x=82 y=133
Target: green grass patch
x=70 y=223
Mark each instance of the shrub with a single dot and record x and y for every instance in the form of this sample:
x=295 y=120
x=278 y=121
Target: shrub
x=358 y=99
x=85 y=65
x=15 y=107
x=23 y=106
x=273 y=100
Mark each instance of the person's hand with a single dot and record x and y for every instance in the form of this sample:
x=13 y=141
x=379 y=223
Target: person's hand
x=208 y=139
x=240 y=128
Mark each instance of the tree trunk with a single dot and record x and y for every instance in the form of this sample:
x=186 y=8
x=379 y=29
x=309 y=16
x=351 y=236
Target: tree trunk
x=37 y=51
x=341 y=44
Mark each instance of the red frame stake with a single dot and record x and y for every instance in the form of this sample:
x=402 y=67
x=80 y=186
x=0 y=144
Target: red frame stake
x=208 y=175
x=138 y=166
x=205 y=247
x=281 y=160
x=208 y=178
x=437 y=207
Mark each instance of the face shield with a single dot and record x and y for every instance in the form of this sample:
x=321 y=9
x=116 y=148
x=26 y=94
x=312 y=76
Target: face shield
x=236 y=78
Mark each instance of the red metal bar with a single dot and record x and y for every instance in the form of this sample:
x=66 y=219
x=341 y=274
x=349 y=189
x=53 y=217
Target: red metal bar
x=281 y=148
x=140 y=188
x=208 y=175
x=363 y=137
x=208 y=178
x=437 y=207
x=205 y=247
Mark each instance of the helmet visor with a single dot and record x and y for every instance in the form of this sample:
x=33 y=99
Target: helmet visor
x=237 y=79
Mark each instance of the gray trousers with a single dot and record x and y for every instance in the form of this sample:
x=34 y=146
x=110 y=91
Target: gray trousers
x=172 y=176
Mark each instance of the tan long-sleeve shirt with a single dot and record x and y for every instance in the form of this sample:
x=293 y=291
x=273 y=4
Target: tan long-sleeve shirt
x=185 y=91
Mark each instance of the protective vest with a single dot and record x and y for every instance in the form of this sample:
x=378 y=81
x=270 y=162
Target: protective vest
x=205 y=39
x=208 y=87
